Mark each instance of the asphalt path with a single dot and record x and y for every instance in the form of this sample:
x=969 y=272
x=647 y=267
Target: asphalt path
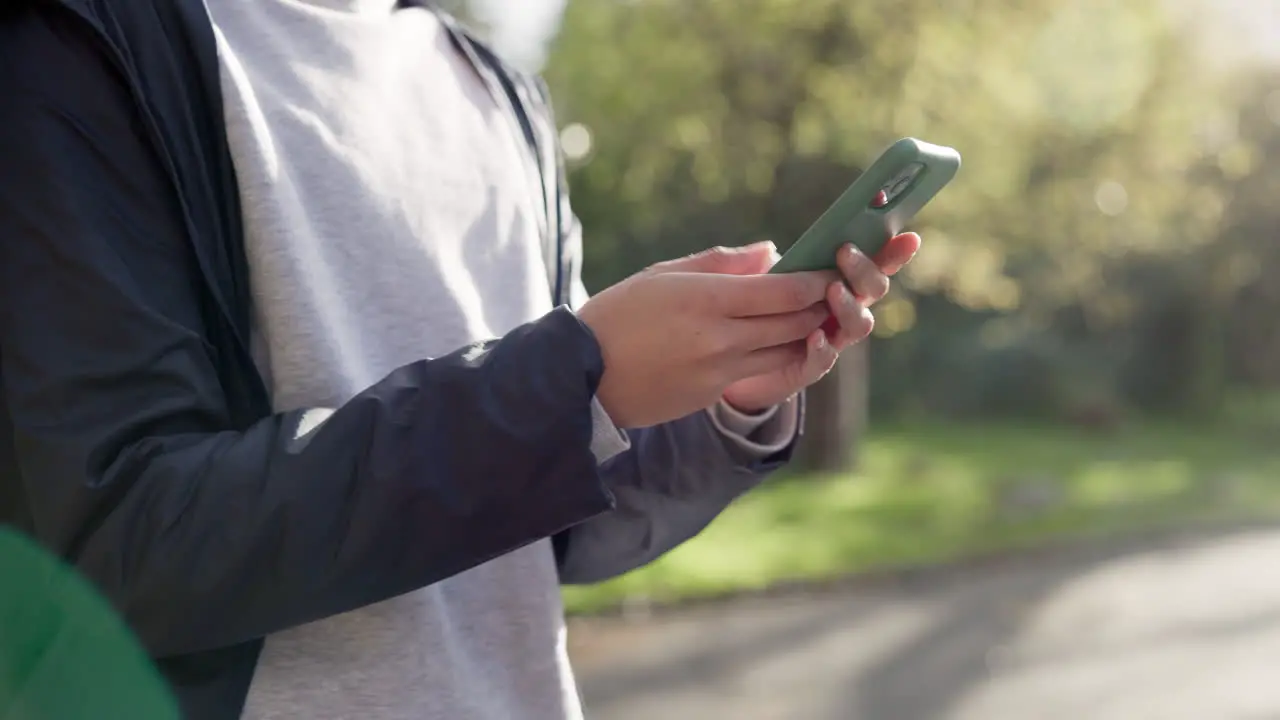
x=1186 y=630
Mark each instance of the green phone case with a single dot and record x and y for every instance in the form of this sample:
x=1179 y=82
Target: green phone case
x=909 y=173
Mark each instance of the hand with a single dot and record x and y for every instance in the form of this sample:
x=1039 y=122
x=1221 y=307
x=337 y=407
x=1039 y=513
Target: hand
x=865 y=281
x=676 y=336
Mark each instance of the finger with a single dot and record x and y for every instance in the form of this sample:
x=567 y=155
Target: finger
x=766 y=331
x=869 y=283
x=821 y=356
x=746 y=260
x=853 y=319
x=789 y=358
x=756 y=295
x=831 y=327
x=802 y=362
x=897 y=252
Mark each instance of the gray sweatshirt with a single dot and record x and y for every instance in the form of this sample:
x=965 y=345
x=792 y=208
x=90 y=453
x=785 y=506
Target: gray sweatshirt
x=389 y=217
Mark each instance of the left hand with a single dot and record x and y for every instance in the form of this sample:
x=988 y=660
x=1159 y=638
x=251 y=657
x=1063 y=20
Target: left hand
x=866 y=280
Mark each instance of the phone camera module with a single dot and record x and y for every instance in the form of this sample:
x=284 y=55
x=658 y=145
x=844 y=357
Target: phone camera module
x=897 y=186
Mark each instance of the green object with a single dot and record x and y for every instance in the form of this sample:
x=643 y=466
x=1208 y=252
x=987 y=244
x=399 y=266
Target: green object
x=876 y=206
x=64 y=652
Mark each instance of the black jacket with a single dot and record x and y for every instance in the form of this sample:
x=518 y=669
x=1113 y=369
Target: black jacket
x=136 y=436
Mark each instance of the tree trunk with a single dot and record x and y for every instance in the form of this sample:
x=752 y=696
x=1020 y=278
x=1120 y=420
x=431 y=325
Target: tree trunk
x=836 y=416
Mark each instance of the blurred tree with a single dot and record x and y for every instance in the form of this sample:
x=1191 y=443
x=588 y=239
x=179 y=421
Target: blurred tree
x=1248 y=251
x=719 y=121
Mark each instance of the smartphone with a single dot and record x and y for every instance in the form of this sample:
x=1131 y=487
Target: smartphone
x=876 y=207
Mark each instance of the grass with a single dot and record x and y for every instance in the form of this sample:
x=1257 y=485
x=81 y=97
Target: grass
x=932 y=494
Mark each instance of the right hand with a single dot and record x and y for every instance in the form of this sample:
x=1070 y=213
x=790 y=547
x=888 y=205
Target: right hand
x=676 y=335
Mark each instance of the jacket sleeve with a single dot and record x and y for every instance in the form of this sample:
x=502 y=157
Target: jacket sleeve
x=670 y=481
x=204 y=534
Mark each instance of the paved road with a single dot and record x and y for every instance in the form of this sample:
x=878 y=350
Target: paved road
x=1184 y=632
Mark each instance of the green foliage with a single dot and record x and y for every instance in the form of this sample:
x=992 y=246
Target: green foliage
x=1106 y=169
x=696 y=102
x=936 y=493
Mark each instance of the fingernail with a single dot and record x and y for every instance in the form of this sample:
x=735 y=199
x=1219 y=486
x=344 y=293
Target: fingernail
x=821 y=343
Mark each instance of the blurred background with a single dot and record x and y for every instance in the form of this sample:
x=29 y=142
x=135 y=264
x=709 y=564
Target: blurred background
x=1051 y=473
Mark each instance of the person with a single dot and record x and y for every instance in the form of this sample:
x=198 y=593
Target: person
x=299 y=370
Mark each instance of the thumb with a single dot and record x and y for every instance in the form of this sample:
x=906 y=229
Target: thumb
x=752 y=259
